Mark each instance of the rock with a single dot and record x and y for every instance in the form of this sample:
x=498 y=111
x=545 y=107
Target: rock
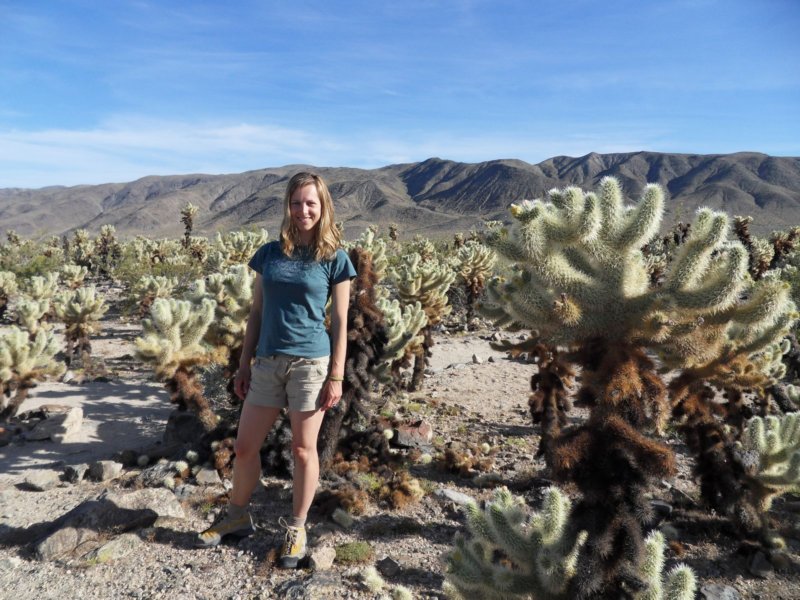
x=388 y=567
x=490 y=359
x=760 y=566
x=115 y=549
x=670 y=532
x=105 y=470
x=321 y=585
x=322 y=558
x=496 y=337
x=453 y=496
x=416 y=435
x=780 y=560
x=661 y=509
x=183 y=428
x=715 y=591
x=477 y=360
x=157 y=475
x=207 y=476
x=75 y=473
x=9 y=564
x=60 y=424
x=41 y=480
x=68 y=376
x=107 y=514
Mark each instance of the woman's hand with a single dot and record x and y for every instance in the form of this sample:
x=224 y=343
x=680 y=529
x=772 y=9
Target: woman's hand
x=241 y=383
x=331 y=394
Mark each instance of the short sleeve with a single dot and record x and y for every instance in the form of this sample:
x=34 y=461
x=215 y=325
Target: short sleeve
x=342 y=268
x=257 y=262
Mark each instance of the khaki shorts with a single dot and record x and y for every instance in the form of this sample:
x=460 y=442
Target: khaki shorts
x=281 y=381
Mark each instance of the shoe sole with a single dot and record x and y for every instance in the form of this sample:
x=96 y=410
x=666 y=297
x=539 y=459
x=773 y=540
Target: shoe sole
x=290 y=562
x=240 y=534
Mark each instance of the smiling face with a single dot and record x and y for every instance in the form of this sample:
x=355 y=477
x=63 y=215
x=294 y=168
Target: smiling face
x=305 y=209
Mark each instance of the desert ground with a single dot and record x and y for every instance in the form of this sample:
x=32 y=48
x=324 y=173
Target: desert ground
x=472 y=395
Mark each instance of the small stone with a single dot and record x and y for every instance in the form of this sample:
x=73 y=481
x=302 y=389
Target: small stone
x=760 y=566
x=670 y=532
x=322 y=558
x=68 y=376
x=41 y=480
x=416 y=435
x=388 y=567
x=661 y=509
x=105 y=470
x=715 y=591
x=477 y=360
x=116 y=548
x=496 y=337
x=75 y=473
x=780 y=560
x=453 y=496
x=207 y=476
x=490 y=359
x=9 y=564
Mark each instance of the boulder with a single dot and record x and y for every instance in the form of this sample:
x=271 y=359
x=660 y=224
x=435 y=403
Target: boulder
x=109 y=513
x=416 y=435
x=715 y=591
x=117 y=548
x=59 y=423
x=322 y=558
x=41 y=480
x=75 y=473
x=206 y=476
x=321 y=585
x=105 y=470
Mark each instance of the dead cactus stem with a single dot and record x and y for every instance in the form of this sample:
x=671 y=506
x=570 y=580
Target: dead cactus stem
x=187 y=393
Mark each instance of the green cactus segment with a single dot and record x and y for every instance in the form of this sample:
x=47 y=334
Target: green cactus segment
x=370 y=242
x=173 y=335
x=403 y=326
x=80 y=311
x=775 y=444
x=236 y=247
x=678 y=584
x=23 y=361
x=73 y=275
x=537 y=558
x=31 y=314
x=41 y=287
x=425 y=282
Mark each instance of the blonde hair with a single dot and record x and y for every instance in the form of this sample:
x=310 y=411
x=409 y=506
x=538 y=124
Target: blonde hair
x=327 y=237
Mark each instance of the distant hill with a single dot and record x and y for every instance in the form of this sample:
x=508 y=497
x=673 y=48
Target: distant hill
x=431 y=197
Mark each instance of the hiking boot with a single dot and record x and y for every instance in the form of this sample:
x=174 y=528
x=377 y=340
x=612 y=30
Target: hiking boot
x=294 y=547
x=240 y=528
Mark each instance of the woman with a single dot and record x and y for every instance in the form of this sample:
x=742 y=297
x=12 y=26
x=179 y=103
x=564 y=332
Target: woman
x=297 y=365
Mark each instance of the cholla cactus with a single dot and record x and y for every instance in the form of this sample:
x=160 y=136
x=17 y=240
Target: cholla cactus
x=233 y=293
x=41 y=288
x=773 y=444
x=187 y=218
x=73 y=275
x=579 y=278
x=31 y=315
x=238 y=247
x=422 y=246
x=8 y=287
x=369 y=241
x=23 y=362
x=173 y=344
x=513 y=554
x=426 y=283
x=475 y=264
x=148 y=288
x=80 y=311
x=403 y=325
x=13 y=237
x=82 y=249
x=108 y=249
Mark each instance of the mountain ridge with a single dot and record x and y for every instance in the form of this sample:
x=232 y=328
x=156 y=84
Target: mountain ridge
x=434 y=196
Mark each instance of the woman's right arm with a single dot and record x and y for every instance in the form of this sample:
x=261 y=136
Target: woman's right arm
x=241 y=383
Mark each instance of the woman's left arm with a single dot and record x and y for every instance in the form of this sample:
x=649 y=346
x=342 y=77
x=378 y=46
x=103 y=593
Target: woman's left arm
x=340 y=295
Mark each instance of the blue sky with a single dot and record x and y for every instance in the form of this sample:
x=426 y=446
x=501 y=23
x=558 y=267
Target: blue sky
x=94 y=92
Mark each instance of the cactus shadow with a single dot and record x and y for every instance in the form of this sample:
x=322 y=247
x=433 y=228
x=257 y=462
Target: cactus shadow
x=388 y=526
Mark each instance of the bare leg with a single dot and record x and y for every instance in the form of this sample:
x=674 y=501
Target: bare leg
x=305 y=430
x=255 y=423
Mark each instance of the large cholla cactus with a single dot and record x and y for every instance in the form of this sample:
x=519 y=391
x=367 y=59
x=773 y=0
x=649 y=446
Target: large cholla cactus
x=578 y=277
x=8 y=287
x=80 y=311
x=425 y=282
x=538 y=555
x=369 y=241
x=187 y=218
x=173 y=344
x=108 y=249
x=23 y=362
x=475 y=265
x=82 y=249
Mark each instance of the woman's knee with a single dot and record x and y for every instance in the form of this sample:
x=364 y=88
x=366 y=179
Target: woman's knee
x=246 y=448
x=304 y=454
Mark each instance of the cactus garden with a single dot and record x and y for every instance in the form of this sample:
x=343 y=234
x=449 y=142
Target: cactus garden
x=585 y=401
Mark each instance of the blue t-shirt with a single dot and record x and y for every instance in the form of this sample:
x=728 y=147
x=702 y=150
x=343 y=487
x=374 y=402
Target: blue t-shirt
x=295 y=292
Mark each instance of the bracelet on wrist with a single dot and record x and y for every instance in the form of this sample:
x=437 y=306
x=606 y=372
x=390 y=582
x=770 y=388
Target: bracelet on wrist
x=334 y=378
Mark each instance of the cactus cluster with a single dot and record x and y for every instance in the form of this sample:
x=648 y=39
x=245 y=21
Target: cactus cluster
x=80 y=310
